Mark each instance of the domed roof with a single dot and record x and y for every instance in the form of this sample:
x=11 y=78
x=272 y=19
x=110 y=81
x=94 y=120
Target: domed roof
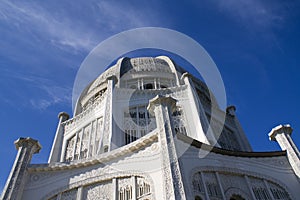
x=162 y=66
x=134 y=65
x=143 y=64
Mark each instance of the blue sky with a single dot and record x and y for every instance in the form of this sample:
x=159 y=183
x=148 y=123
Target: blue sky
x=255 y=45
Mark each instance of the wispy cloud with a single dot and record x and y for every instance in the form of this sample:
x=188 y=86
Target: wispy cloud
x=43 y=92
x=36 y=20
x=65 y=29
x=52 y=33
x=54 y=95
x=252 y=14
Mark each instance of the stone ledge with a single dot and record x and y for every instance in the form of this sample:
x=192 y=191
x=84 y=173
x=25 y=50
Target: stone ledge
x=217 y=150
x=102 y=158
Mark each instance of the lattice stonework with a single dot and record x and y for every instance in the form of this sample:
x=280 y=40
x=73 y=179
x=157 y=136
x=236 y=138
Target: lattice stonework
x=278 y=192
x=212 y=186
x=98 y=134
x=125 y=188
x=197 y=183
x=85 y=142
x=143 y=188
x=137 y=123
x=149 y=83
x=105 y=190
x=223 y=184
x=229 y=181
x=101 y=191
x=179 y=121
x=92 y=147
x=126 y=185
x=77 y=146
x=70 y=149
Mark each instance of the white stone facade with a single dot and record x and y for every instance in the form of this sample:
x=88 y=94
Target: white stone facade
x=145 y=129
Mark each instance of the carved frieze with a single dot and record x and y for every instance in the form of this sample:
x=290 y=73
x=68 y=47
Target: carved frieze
x=101 y=190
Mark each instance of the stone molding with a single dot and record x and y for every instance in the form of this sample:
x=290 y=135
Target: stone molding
x=112 y=71
x=92 y=93
x=217 y=150
x=105 y=157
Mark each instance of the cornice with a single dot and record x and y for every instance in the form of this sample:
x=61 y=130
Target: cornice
x=217 y=150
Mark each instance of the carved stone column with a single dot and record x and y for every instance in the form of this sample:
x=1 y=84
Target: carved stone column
x=282 y=134
x=108 y=116
x=162 y=107
x=15 y=183
x=56 y=151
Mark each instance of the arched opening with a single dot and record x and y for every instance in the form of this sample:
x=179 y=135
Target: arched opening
x=236 y=197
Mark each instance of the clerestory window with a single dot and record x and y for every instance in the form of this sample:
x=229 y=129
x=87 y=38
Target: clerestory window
x=137 y=123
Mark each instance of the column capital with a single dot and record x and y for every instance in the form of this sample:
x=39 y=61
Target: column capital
x=161 y=100
x=287 y=129
x=184 y=75
x=28 y=142
x=63 y=115
x=231 y=110
x=15 y=183
x=113 y=78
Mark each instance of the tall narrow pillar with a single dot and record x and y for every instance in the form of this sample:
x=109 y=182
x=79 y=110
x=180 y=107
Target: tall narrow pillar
x=282 y=134
x=134 y=188
x=105 y=142
x=15 y=183
x=115 y=189
x=243 y=141
x=162 y=107
x=204 y=133
x=55 y=153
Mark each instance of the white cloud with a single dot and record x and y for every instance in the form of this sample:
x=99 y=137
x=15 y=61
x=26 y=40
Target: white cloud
x=46 y=91
x=36 y=20
x=54 y=95
x=253 y=14
x=70 y=31
x=35 y=30
x=41 y=104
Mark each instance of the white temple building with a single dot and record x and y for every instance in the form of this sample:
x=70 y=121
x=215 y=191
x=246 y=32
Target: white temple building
x=146 y=129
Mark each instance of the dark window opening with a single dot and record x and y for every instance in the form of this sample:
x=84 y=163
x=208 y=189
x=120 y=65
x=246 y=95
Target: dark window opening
x=197 y=198
x=236 y=197
x=105 y=148
x=149 y=86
